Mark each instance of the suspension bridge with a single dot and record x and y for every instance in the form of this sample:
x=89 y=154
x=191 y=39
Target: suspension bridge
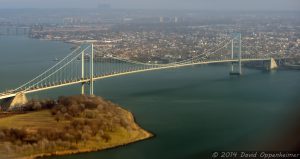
x=84 y=65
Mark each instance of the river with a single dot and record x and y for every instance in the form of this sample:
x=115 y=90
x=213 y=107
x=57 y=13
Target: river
x=192 y=110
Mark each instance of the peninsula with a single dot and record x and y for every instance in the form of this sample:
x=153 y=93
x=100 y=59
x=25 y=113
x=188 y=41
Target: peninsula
x=68 y=125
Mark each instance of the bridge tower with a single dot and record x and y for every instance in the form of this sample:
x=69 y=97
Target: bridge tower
x=91 y=69
x=236 y=47
x=82 y=73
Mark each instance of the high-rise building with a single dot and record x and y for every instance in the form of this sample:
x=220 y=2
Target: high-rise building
x=161 y=19
x=176 y=19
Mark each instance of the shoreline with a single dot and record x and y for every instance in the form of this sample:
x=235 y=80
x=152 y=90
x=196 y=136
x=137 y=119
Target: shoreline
x=147 y=135
x=74 y=152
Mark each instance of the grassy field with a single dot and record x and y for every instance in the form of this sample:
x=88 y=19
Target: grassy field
x=40 y=119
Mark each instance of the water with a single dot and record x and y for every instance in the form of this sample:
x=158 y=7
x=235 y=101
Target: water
x=193 y=110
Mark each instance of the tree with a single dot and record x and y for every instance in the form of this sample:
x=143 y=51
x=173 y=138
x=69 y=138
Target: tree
x=67 y=116
x=78 y=137
x=77 y=124
x=17 y=134
x=90 y=105
x=74 y=110
x=36 y=105
x=90 y=114
x=86 y=137
x=2 y=135
x=106 y=137
x=59 y=116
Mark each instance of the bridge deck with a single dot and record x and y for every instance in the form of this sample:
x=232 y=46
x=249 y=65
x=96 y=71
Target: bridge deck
x=67 y=83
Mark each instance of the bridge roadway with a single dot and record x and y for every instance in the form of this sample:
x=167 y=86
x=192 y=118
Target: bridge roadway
x=86 y=80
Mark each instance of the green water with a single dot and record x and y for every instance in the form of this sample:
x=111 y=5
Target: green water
x=193 y=110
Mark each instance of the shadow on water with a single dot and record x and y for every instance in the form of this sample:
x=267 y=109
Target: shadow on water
x=157 y=92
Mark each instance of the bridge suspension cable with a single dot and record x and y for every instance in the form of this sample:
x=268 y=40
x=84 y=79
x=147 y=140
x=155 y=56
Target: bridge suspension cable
x=73 y=69
x=202 y=55
x=75 y=57
x=48 y=69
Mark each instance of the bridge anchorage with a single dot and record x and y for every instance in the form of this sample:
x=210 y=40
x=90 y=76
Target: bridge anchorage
x=84 y=65
x=271 y=64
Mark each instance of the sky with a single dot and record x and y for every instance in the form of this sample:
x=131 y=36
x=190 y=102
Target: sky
x=159 y=4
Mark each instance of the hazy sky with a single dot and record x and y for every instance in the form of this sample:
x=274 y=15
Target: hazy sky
x=159 y=4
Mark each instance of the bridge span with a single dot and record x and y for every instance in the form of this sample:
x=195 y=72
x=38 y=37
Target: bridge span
x=81 y=66
x=87 y=80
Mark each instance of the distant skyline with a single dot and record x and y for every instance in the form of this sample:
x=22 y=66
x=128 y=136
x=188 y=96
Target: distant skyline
x=288 y=5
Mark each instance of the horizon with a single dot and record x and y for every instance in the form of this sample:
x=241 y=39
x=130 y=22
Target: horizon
x=146 y=9
x=201 y=5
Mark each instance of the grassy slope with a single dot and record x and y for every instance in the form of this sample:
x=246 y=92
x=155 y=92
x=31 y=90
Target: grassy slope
x=43 y=119
x=30 y=120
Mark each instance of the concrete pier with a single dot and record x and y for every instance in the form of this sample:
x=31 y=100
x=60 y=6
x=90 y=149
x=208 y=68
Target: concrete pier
x=271 y=64
x=13 y=102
